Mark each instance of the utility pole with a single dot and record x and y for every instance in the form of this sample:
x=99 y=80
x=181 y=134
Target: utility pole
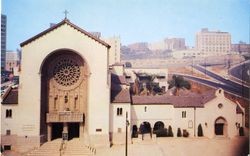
x=126 y=143
x=205 y=67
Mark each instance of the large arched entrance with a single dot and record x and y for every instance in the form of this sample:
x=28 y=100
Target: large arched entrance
x=145 y=127
x=64 y=80
x=220 y=127
x=159 y=125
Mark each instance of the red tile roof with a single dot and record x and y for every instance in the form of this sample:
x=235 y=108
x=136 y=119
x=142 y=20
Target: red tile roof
x=117 y=79
x=176 y=101
x=120 y=96
x=65 y=21
x=239 y=110
x=11 y=96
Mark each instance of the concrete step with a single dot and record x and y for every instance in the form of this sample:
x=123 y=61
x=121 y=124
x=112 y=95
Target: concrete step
x=47 y=149
x=76 y=147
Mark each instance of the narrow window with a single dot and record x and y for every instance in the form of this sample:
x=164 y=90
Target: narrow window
x=120 y=111
x=145 y=109
x=119 y=130
x=8 y=132
x=8 y=113
x=183 y=114
x=117 y=111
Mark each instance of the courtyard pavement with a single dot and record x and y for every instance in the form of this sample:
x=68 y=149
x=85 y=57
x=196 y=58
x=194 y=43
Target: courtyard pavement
x=238 y=146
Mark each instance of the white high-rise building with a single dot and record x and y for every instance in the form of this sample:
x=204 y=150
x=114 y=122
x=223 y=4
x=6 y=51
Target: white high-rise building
x=213 y=43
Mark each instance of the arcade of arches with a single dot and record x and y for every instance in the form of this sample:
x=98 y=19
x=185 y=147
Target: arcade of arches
x=64 y=79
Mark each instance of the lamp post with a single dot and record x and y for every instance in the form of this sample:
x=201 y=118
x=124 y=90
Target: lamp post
x=205 y=67
x=228 y=62
x=193 y=64
x=126 y=143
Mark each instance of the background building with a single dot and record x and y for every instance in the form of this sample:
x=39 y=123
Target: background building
x=213 y=43
x=175 y=43
x=168 y=44
x=12 y=60
x=240 y=47
x=115 y=50
x=3 y=39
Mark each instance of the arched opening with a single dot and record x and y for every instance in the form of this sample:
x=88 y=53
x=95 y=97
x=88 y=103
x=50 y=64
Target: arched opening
x=220 y=127
x=64 y=81
x=145 y=127
x=134 y=131
x=158 y=126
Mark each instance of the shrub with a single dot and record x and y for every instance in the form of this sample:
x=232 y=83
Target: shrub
x=179 y=132
x=200 y=131
x=170 y=132
x=185 y=133
x=161 y=132
x=241 y=131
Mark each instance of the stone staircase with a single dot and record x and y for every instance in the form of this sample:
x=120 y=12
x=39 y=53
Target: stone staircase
x=75 y=147
x=50 y=148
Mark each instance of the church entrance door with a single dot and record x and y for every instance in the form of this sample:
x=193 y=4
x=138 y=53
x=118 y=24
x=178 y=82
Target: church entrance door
x=73 y=130
x=57 y=129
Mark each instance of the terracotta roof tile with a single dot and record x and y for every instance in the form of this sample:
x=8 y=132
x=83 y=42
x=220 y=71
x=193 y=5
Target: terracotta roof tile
x=11 y=97
x=120 y=96
x=116 y=79
x=65 y=21
x=176 y=101
x=239 y=110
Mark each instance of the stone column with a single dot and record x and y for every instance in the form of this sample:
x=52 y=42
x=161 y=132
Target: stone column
x=49 y=127
x=81 y=130
x=65 y=128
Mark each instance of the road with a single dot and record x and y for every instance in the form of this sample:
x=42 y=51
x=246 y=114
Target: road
x=242 y=71
x=214 y=84
x=223 y=83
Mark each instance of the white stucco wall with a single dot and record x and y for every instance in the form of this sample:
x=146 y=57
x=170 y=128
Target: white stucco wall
x=211 y=112
x=9 y=123
x=118 y=121
x=152 y=114
x=186 y=123
x=33 y=55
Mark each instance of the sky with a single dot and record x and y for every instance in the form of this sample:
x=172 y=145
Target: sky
x=132 y=20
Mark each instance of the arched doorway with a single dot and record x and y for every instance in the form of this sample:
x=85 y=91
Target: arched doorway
x=145 y=127
x=134 y=131
x=158 y=126
x=64 y=80
x=220 y=127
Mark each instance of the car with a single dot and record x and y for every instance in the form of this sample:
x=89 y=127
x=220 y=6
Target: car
x=226 y=77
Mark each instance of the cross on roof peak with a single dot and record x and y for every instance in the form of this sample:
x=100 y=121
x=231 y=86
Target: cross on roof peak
x=65 y=12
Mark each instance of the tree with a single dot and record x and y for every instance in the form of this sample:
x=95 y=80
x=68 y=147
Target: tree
x=145 y=85
x=200 y=131
x=178 y=82
x=170 y=131
x=179 y=132
x=241 y=131
x=136 y=86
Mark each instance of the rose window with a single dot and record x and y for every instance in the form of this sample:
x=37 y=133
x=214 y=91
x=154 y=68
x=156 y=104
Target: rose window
x=66 y=72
